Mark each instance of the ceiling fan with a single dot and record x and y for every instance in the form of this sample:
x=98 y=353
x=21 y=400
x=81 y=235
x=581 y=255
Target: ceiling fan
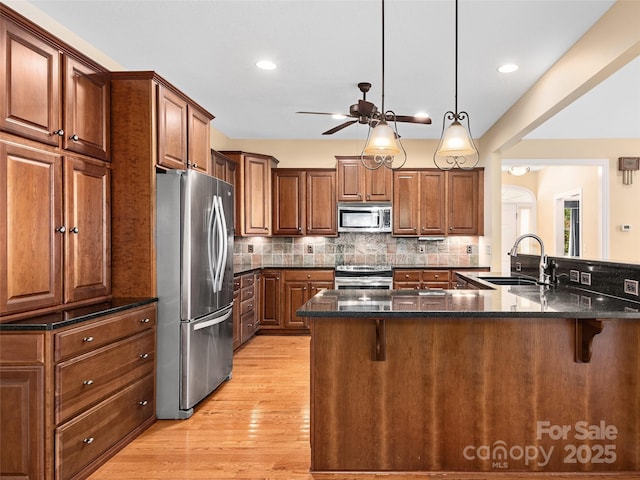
x=365 y=112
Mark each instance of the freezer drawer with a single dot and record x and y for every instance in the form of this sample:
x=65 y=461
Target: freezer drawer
x=207 y=355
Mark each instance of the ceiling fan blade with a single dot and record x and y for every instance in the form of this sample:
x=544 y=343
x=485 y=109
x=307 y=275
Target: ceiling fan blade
x=412 y=119
x=339 y=127
x=325 y=113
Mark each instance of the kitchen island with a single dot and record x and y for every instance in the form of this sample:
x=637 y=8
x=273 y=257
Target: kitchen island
x=509 y=379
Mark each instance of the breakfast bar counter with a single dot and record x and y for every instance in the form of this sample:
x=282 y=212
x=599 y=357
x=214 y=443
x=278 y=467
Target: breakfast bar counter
x=530 y=379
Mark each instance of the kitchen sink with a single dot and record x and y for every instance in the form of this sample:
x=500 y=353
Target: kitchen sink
x=509 y=280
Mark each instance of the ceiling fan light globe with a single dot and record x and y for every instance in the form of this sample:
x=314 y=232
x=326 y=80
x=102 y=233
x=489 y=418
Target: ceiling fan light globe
x=456 y=142
x=382 y=141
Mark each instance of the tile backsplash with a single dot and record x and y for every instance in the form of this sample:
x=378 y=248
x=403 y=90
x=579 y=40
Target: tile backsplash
x=354 y=249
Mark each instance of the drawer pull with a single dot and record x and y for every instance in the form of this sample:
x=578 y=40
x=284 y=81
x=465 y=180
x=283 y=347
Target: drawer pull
x=88 y=382
x=144 y=320
x=88 y=440
x=87 y=339
x=143 y=403
x=144 y=356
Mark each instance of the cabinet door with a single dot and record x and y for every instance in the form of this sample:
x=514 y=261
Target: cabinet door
x=88 y=240
x=288 y=202
x=199 y=141
x=30 y=242
x=86 y=110
x=465 y=204
x=172 y=130
x=295 y=295
x=406 y=207
x=22 y=422
x=378 y=184
x=321 y=209
x=432 y=203
x=30 y=96
x=257 y=196
x=350 y=181
x=270 y=299
x=236 y=312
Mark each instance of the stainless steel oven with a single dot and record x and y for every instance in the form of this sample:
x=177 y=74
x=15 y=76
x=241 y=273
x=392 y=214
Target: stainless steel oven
x=367 y=277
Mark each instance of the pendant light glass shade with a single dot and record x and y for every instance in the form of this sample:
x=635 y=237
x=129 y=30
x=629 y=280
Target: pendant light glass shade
x=456 y=142
x=382 y=141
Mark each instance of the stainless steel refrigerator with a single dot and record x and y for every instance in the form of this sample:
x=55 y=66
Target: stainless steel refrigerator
x=194 y=240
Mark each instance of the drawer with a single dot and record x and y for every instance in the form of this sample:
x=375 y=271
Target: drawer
x=21 y=348
x=247 y=328
x=304 y=275
x=95 y=334
x=236 y=284
x=440 y=285
x=247 y=306
x=406 y=275
x=88 y=379
x=247 y=280
x=435 y=275
x=247 y=293
x=83 y=439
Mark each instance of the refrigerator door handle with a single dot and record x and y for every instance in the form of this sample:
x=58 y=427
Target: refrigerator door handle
x=222 y=236
x=210 y=228
x=208 y=323
x=217 y=284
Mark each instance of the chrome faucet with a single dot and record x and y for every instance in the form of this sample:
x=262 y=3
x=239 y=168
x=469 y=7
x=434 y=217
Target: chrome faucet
x=543 y=276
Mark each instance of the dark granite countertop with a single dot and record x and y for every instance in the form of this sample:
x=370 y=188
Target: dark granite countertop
x=240 y=269
x=523 y=301
x=63 y=318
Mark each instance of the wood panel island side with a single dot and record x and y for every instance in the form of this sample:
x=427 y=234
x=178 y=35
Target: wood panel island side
x=525 y=379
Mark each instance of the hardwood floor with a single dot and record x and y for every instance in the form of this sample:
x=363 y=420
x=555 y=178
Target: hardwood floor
x=255 y=426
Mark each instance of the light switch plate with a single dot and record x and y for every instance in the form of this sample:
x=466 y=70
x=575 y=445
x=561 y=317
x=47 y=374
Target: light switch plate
x=631 y=287
x=585 y=278
x=574 y=275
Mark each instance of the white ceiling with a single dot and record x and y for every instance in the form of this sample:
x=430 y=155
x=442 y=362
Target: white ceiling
x=323 y=48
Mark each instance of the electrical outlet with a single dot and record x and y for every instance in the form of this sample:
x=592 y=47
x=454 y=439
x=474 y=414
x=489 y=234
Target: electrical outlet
x=585 y=278
x=574 y=275
x=488 y=249
x=631 y=287
x=250 y=248
x=421 y=248
x=518 y=267
x=309 y=248
x=469 y=248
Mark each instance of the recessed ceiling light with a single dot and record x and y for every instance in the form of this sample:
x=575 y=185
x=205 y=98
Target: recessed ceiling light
x=508 y=68
x=266 y=65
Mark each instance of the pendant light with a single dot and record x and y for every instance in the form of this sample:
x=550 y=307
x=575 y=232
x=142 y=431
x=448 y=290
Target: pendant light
x=456 y=148
x=383 y=142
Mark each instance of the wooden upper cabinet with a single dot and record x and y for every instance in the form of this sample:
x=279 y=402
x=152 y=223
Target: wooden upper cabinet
x=406 y=207
x=304 y=202
x=88 y=239
x=465 y=198
x=31 y=229
x=253 y=192
x=86 y=110
x=434 y=202
x=172 y=130
x=30 y=99
x=289 y=191
x=198 y=140
x=223 y=167
x=321 y=208
x=356 y=183
x=36 y=71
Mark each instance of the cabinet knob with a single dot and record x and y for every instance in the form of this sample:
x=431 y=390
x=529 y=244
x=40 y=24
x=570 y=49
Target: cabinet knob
x=88 y=382
x=74 y=137
x=59 y=132
x=74 y=230
x=406 y=276
x=87 y=339
x=194 y=165
x=144 y=320
x=61 y=229
x=88 y=440
x=143 y=403
x=144 y=356
x=436 y=275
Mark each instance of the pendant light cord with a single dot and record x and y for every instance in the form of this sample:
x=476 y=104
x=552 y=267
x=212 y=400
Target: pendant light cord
x=383 y=58
x=456 y=75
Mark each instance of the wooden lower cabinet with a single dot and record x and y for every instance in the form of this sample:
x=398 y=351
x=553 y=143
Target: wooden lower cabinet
x=435 y=278
x=270 y=300
x=71 y=398
x=246 y=307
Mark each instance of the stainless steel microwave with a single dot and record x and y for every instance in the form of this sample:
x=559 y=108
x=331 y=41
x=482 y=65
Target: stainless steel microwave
x=364 y=217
